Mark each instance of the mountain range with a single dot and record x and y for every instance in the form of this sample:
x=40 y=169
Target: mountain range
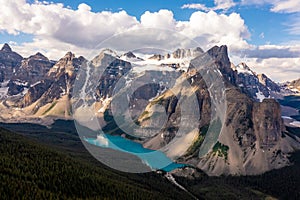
x=242 y=129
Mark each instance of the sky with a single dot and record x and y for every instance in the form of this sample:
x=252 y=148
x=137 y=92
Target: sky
x=263 y=33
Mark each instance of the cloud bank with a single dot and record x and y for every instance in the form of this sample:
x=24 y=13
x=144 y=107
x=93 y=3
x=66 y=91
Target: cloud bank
x=83 y=28
x=57 y=29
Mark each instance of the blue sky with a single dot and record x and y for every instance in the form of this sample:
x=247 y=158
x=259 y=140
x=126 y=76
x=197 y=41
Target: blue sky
x=267 y=29
x=265 y=26
x=258 y=18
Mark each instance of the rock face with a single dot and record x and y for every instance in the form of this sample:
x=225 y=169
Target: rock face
x=294 y=85
x=39 y=87
x=179 y=54
x=114 y=69
x=57 y=84
x=9 y=62
x=267 y=82
x=268 y=124
x=31 y=71
x=6 y=48
x=157 y=57
x=257 y=86
x=130 y=56
x=183 y=53
x=252 y=137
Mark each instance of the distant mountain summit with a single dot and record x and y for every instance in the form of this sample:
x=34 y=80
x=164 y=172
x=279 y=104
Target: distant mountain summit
x=9 y=62
x=6 y=48
x=294 y=85
x=179 y=54
x=258 y=86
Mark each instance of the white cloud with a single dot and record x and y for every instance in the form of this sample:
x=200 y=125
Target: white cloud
x=161 y=19
x=272 y=51
x=278 y=69
x=81 y=27
x=284 y=6
x=294 y=24
x=196 y=6
x=84 y=7
x=216 y=29
x=256 y=2
x=279 y=62
x=288 y=6
x=219 y=5
x=224 y=4
x=56 y=27
x=52 y=48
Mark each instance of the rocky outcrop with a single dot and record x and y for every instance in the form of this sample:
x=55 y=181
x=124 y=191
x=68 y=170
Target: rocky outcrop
x=179 y=54
x=10 y=62
x=34 y=93
x=156 y=57
x=294 y=85
x=267 y=82
x=184 y=53
x=6 y=48
x=114 y=69
x=131 y=57
x=268 y=124
x=58 y=81
x=31 y=71
x=42 y=88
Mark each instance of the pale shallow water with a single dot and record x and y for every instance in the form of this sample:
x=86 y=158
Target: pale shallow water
x=157 y=160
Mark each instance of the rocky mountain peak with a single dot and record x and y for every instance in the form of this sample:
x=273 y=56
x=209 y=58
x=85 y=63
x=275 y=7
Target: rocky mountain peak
x=156 y=57
x=69 y=56
x=221 y=60
x=6 y=48
x=219 y=53
x=130 y=55
x=183 y=53
x=67 y=64
x=294 y=85
x=9 y=62
x=242 y=68
x=179 y=53
x=105 y=57
x=39 y=56
x=109 y=52
x=257 y=86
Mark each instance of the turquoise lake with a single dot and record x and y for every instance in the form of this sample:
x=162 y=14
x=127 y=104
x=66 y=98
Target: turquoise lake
x=157 y=160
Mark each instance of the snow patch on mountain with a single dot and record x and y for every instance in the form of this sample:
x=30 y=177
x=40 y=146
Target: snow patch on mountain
x=295 y=123
x=244 y=69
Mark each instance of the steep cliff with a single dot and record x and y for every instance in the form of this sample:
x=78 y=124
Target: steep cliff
x=248 y=139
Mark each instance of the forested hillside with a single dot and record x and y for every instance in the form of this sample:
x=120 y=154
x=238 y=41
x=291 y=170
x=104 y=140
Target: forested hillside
x=31 y=171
